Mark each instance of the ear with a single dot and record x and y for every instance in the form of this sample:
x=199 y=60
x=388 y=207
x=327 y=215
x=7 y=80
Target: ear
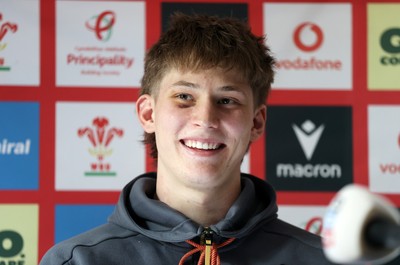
x=145 y=112
x=259 y=120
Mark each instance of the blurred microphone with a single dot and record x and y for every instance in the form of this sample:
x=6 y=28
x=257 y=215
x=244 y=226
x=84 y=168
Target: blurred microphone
x=360 y=228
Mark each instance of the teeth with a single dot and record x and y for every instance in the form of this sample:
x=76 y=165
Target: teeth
x=200 y=145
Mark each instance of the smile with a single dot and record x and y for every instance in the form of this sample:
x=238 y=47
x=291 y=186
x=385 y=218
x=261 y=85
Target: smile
x=201 y=145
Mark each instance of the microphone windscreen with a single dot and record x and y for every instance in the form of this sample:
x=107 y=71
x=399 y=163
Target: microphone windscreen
x=345 y=222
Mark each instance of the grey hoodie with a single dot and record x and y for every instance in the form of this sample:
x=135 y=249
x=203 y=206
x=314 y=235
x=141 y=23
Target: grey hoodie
x=143 y=231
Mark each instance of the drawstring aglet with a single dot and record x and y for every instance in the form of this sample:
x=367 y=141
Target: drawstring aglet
x=208 y=247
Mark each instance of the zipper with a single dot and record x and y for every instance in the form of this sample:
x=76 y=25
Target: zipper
x=207 y=241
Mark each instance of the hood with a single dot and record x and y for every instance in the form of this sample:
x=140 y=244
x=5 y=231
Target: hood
x=138 y=211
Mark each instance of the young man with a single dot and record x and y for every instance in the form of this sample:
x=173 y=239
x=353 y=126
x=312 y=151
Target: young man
x=201 y=106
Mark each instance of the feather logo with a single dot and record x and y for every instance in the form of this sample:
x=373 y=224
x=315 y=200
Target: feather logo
x=100 y=136
x=5 y=28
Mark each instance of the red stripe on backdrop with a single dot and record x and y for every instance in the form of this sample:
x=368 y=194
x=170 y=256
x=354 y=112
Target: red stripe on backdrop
x=360 y=141
x=153 y=20
x=47 y=126
x=257 y=149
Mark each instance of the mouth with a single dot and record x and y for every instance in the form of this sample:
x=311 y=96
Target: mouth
x=199 y=145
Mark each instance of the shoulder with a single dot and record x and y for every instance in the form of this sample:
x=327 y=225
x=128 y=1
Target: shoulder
x=292 y=243
x=293 y=233
x=91 y=241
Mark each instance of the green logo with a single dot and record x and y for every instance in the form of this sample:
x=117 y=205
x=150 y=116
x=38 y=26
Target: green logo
x=390 y=43
x=390 y=40
x=11 y=245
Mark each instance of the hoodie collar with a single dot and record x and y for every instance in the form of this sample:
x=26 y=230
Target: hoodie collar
x=137 y=210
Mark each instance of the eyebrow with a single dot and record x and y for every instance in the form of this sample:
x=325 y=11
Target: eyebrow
x=193 y=85
x=186 y=84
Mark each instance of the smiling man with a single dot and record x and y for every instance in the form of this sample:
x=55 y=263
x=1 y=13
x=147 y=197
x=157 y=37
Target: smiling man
x=204 y=121
x=202 y=104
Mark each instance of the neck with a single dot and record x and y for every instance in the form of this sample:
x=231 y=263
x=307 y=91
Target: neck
x=205 y=207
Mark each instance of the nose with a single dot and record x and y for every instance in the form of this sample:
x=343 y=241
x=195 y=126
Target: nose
x=205 y=115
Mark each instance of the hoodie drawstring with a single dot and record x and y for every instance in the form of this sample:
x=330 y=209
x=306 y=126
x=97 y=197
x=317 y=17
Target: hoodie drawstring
x=203 y=260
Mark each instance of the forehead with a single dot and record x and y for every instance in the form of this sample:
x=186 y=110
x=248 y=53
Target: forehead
x=213 y=76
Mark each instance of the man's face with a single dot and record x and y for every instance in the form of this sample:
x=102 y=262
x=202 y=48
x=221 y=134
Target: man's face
x=203 y=122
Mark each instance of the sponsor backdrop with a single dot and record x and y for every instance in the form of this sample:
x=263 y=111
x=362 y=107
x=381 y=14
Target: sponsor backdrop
x=70 y=74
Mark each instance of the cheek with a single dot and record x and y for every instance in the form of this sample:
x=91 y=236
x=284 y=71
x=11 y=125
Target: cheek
x=250 y=125
x=245 y=119
x=167 y=119
x=240 y=125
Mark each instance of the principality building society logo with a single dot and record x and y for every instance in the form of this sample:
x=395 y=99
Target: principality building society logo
x=102 y=25
x=101 y=56
x=309 y=148
x=100 y=136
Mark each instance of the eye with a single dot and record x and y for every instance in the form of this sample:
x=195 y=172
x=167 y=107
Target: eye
x=226 y=101
x=184 y=97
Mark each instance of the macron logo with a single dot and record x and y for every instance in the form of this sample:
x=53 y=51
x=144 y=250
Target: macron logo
x=308 y=136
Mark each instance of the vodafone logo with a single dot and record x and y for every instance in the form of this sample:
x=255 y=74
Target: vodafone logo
x=102 y=25
x=308 y=37
x=391 y=168
x=384 y=148
x=314 y=225
x=398 y=140
x=308 y=53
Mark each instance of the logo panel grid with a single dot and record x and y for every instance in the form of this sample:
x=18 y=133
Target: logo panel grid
x=18 y=238
x=384 y=148
x=72 y=220
x=383 y=46
x=19 y=42
x=100 y=44
x=98 y=146
x=306 y=47
x=309 y=148
x=19 y=145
